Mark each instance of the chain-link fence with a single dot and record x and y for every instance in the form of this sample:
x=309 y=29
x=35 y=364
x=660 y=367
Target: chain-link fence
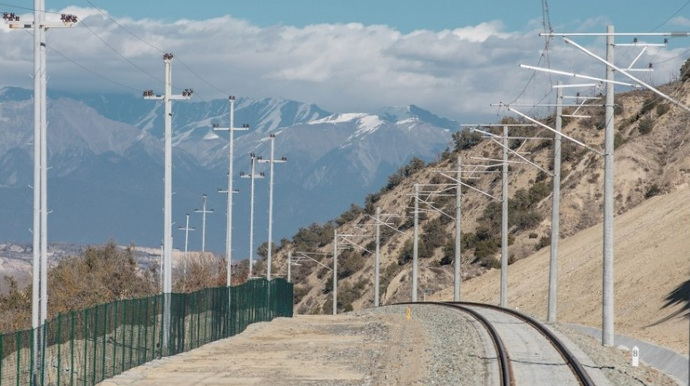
x=88 y=346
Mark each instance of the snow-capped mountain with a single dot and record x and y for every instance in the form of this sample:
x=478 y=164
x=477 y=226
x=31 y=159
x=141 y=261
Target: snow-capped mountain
x=106 y=159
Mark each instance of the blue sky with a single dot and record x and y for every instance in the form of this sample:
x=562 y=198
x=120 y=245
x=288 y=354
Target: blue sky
x=449 y=56
x=404 y=15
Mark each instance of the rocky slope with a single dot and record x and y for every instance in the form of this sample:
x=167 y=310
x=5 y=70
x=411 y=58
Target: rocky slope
x=650 y=159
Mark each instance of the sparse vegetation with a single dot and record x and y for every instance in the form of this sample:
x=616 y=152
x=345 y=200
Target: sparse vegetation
x=618 y=140
x=543 y=242
x=481 y=239
x=466 y=139
x=652 y=190
x=645 y=126
x=662 y=109
x=685 y=71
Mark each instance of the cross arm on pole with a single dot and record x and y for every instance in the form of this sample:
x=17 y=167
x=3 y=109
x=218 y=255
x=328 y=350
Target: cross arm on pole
x=345 y=238
x=244 y=127
x=523 y=158
x=554 y=131
x=305 y=256
x=13 y=21
x=471 y=187
x=255 y=175
x=576 y=75
x=629 y=76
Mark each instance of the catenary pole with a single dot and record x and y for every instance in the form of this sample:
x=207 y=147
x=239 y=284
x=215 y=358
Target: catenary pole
x=186 y=230
x=289 y=276
x=504 y=222
x=271 y=161
x=608 y=286
x=44 y=174
x=458 y=234
x=36 y=265
x=167 y=99
x=230 y=191
x=335 y=272
x=251 y=219
x=252 y=176
x=378 y=257
x=203 y=212
x=39 y=296
x=555 y=210
x=270 y=209
x=415 y=242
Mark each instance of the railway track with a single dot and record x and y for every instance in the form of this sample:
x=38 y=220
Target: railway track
x=502 y=328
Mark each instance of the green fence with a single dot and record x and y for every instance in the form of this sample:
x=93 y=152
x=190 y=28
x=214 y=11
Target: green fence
x=88 y=346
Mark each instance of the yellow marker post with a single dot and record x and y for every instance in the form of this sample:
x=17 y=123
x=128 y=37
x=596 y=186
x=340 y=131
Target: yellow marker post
x=409 y=312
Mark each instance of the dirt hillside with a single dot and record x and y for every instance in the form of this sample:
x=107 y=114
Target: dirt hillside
x=652 y=259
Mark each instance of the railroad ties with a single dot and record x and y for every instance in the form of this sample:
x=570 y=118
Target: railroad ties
x=527 y=352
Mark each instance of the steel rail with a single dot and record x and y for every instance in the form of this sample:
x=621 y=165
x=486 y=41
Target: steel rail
x=568 y=356
x=505 y=368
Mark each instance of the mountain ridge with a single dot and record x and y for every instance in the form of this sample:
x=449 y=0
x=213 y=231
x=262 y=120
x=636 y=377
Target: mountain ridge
x=99 y=143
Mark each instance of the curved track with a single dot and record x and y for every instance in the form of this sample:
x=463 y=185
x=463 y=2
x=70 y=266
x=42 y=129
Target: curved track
x=567 y=355
x=503 y=356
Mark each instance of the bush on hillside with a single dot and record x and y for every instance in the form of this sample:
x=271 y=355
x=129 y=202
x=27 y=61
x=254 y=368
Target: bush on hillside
x=662 y=109
x=645 y=126
x=349 y=262
x=685 y=71
x=99 y=275
x=648 y=105
x=652 y=190
x=434 y=235
x=313 y=237
x=349 y=215
x=15 y=307
x=618 y=140
x=466 y=139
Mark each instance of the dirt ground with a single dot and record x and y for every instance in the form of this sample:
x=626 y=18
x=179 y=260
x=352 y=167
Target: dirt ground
x=652 y=259
x=304 y=350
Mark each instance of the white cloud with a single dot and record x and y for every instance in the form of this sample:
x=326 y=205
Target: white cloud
x=341 y=67
x=680 y=21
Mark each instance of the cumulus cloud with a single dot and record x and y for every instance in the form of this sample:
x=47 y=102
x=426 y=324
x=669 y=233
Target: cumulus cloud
x=341 y=67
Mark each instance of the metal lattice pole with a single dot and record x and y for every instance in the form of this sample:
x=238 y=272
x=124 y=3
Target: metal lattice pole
x=555 y=209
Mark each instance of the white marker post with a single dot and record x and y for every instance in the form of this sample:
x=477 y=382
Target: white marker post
x=635 y=356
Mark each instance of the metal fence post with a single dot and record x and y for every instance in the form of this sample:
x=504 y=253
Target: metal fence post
x=86 y=341
x=115 y=326
x=95 y=345
x=71 y=348
x=59 y=347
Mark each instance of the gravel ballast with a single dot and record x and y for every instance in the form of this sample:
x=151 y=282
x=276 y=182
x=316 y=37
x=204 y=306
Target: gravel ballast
x=454 y=349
